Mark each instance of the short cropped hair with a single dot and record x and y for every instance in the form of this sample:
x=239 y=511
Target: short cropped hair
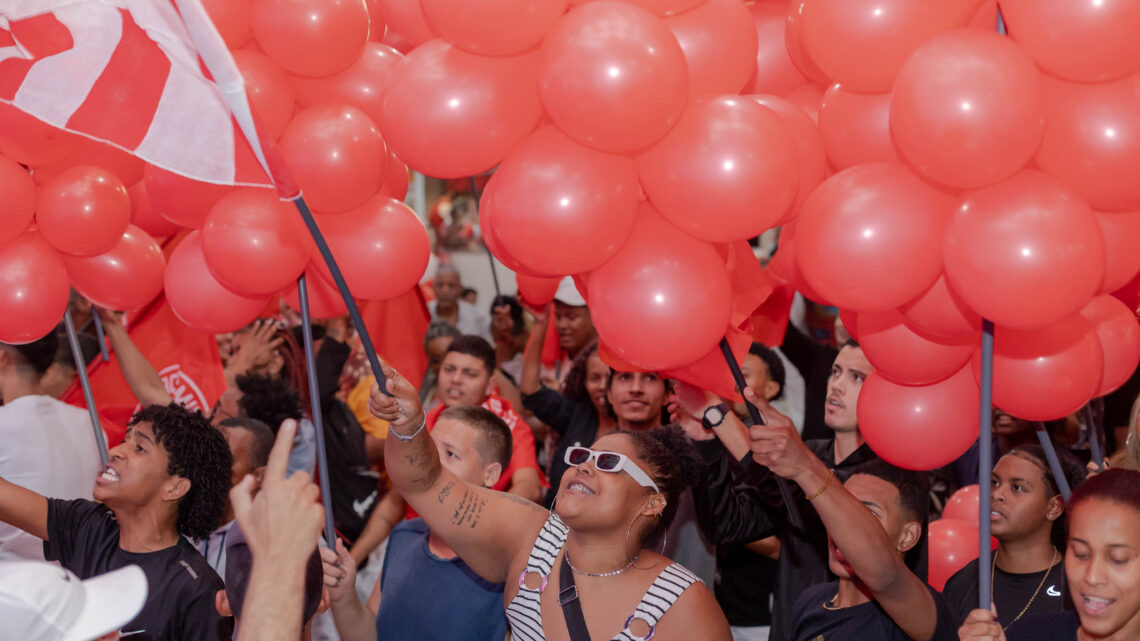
x=775 y=365
x=38 y=354
x=268 y=399
x=262 y=437
x=495 y=443
x=476 y=346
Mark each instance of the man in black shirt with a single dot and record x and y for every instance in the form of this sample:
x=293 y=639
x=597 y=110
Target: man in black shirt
x=167 y=481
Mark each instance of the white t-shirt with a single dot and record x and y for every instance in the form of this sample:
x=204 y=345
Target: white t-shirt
x=46 y=446
x=471 y=320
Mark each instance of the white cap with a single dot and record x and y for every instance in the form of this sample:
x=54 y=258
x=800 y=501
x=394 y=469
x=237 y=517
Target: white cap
x=568 y=293
x=42 y=601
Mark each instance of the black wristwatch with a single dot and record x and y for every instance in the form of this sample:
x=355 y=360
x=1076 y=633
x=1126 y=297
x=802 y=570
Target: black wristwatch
x=714 y=416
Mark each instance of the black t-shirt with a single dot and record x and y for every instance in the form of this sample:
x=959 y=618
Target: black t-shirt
x=1011 y=593
x=863 y=622
x=84 y=537
x=744 y=584
x=1046 y=627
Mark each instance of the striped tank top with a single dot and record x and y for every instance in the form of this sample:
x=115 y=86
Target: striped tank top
x=525 y=610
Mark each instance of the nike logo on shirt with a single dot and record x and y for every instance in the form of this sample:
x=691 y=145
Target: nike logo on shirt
x=361 y=507
x=1053 y=591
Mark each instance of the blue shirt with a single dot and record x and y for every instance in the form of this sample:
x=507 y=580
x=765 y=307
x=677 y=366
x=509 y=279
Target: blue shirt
x=414 y=580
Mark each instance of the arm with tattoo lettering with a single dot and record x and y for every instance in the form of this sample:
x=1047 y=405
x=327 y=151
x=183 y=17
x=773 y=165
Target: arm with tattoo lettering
x=487 y=529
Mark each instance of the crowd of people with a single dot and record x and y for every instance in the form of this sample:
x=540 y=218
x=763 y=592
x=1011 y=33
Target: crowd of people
x=525 y=489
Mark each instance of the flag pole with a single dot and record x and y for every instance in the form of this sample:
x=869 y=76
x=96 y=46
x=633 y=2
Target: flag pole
x=315 y=408
x=85 y=383
x=985 y=464
x=1054 y=462
x=758 y=419
x=1094 y=435
x=99 y=334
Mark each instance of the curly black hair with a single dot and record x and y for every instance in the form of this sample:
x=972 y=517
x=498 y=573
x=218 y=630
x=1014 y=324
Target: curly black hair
x=268 y=399
x=196 y=452
x=575 y=386
x=675 y=467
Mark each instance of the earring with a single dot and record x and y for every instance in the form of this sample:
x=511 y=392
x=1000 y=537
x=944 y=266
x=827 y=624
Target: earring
x=632 y=561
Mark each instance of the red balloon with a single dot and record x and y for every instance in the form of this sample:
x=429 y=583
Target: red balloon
x=267 y=86
x=787 y=267
x=233 y=20
x=774 y=72
x=1122 y=261
x=144 y=216
x=537 y=292
x=452 y=114
x=1048 y=373
x=493 y=27
x=84 y=211
x=489 y=230
x=1092 y=140
x=182 y=201
x=643 y=298
x=952 y=545
x=719 y=41
x=34 y=288
x=126 y=277
x=810 y=154
x=311 y=37
x=377 y=26
x=863 y=43
x=1119 y=335
x=361 y=85
x=1083 y=41
x=856 y=127
x=337 y=156
x=870 y=237
x=381 y=248
x=658 y=7
x=906 y=356
x=30 y=141
x=793 y=37
x=919 y=427
x=559 y=207
x=1024 y=253
x=18 y=207
x=809 y=98
x=612 y=76
x=939 y=312
x=254 y=243
x=727 y=171
x=967 y=109
x=324 y=299
x=198 y=299
x=396 y=177
x=407 y=21
x=85 y=151
x=1129 y=294
x=963 y=505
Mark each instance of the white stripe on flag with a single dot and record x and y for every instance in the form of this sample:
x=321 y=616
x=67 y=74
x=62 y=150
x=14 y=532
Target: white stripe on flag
x=57 y=86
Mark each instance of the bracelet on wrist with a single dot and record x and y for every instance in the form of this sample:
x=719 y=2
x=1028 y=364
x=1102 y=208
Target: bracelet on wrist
x=408 y=437
x=826 y=484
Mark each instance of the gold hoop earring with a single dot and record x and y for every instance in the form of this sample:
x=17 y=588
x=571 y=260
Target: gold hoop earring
x=633 y=561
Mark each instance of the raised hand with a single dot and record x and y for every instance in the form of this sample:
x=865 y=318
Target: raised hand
x=687 y=405
x=401 y=409
x=981 y=625
x=339 y=573
x=776 y=445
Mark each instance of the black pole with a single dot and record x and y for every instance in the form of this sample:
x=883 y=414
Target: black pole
x=794 y=517
x=491 y=257
x=1093 y=428
x=85 y=383
x=99 y=334
x=1054 y=462
x=342 y=287
x=315 y=405
x=985 y=464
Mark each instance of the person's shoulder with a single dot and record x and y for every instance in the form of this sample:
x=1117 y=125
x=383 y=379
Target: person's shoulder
x=193 y=569
x=83 y=510
x=415 y=526
x=961 y=581
x=815 y=596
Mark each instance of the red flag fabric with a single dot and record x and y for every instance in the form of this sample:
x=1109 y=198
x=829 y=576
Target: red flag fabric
x=127 y=72
x=186 y=359
x=397 y=327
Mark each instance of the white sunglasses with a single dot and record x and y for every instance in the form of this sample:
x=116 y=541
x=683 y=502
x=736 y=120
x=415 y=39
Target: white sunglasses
x=609 y=462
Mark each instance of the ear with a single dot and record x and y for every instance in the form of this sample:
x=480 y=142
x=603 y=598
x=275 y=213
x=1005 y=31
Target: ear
x=175 y=488
x=655 y=507
x=491 y=474
x=222 y=604
x=908 y=538
x=258 y=474
x=771 y=389
x=490 y=385
x=1056 y=508
x=326 y=601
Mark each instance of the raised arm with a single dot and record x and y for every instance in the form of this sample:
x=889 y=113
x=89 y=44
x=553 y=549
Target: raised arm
x=141 y=376
x=856 y=532
x=531 y=376
x=487 y=529
x=23 y=508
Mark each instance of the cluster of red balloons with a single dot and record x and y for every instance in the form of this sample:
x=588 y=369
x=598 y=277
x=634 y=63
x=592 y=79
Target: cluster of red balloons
x=73 y=229
x=978 y=176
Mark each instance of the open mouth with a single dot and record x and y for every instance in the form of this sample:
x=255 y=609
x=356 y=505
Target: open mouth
x=109 y=475
x=577 y=487
x=1095 y=605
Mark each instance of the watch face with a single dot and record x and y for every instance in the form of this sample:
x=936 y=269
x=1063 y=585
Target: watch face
x=714 y=416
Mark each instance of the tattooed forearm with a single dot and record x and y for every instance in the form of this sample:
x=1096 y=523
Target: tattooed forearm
x=413 y=466
x=446 y=491
x=470 y=510
x=514 y=498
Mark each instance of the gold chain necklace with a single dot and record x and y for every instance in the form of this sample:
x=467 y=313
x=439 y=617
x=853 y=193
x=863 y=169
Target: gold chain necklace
x=1048 y=570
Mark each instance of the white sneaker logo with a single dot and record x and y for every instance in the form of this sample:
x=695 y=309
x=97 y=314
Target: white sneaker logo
x=1052 y=591
x=361 y=507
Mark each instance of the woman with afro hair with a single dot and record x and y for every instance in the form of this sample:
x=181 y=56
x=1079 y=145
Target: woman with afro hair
x=164 y=484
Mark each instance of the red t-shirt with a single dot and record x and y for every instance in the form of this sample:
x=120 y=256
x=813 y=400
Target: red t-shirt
x=522 y=442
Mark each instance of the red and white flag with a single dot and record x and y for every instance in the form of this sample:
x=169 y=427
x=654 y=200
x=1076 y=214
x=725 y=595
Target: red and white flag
x=152 y=77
